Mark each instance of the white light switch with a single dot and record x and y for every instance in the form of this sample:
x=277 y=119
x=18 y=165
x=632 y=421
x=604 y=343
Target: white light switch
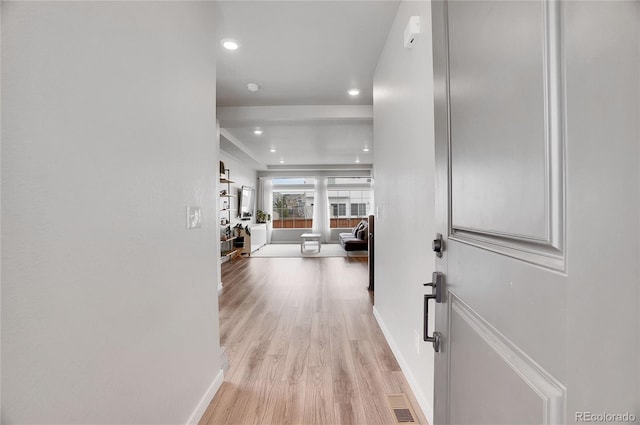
x=194 y=217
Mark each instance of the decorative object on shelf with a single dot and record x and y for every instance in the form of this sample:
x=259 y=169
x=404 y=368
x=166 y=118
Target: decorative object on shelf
x=243 y=239
x=223 y=192
x=238 y=229
x=262 y=217
x=223 y=171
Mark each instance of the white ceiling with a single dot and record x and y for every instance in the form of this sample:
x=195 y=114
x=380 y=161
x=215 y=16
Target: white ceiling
x=327 y=143
x=301 y=53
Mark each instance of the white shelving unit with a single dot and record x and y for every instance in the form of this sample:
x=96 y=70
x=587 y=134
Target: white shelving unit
x=227 y=250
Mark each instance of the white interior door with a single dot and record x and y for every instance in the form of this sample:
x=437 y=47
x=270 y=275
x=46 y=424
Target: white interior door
x=537 y=177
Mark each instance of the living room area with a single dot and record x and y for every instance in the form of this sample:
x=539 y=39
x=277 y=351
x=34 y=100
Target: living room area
x=309 y=217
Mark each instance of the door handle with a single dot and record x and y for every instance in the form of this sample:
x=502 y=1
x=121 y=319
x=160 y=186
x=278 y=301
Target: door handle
x=437 y=283
x=438 y=288
x=435 y=339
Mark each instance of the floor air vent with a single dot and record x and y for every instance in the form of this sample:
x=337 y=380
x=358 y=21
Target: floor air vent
x=401 y=408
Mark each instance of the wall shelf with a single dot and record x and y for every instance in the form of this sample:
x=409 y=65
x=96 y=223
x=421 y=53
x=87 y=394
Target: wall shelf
x=229 y=255
x=228 y=250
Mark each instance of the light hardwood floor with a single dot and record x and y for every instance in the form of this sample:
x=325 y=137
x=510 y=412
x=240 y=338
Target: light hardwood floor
x=303 y=346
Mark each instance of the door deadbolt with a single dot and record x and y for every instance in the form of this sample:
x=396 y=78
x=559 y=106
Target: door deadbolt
x=438 y=245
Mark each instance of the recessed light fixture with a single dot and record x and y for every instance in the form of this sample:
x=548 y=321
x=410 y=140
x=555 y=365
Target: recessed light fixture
x=257 y=131
x=357 y=161
x=254 y=87
x=365 y=149
x=272 y=150
x=282 y=161
x=353 y=92
x=230 y=44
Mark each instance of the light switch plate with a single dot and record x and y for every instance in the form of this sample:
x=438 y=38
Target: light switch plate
x=194 y=217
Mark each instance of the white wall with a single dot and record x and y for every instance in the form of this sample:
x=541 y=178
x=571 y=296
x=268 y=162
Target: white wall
x=109 y=304
x=287 y=235
x=404 y=195
x=638 y=36
x=1 y=8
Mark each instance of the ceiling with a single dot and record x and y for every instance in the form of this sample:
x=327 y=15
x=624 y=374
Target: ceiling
x=334 y=142
x=300 y=53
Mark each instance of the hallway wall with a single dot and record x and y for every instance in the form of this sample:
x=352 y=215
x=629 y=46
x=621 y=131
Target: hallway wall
x=404 y=195
x=638 y=141
x=109 y=304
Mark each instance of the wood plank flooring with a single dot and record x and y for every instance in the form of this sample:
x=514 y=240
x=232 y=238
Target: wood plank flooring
x=303 y=346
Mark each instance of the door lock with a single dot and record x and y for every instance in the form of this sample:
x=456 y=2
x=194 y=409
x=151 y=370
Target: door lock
x=438 y=245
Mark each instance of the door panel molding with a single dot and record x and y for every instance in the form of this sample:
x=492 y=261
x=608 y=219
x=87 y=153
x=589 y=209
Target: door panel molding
x=543 y=386
x=548 y=251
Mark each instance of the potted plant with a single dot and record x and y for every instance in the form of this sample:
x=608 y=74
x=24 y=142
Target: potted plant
x=262 y=217
x=238 y=229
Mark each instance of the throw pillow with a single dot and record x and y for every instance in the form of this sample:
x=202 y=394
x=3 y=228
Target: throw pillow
x=366 y=231
x=363 y=234
x=357 y=228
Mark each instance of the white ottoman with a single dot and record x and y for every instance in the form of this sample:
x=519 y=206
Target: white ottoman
x=310 y=237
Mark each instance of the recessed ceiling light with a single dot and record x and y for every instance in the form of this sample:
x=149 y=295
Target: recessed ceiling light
x=282 y=161
x=230 y=44
x=272 y=150
x=357 y=160
x=257 y=131
x=253 y=87
x=353 y=92
x=366 y=149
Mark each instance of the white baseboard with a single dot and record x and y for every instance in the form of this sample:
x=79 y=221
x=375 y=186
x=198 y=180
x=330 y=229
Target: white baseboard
x=206 y=399
x=425 y=404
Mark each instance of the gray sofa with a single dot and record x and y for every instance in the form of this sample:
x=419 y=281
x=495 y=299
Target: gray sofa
x=357 y=239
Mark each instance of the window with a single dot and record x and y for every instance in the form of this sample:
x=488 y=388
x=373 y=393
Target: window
x=350 y=200
x=293 y=203
x=359 y=210
x=338 y=210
